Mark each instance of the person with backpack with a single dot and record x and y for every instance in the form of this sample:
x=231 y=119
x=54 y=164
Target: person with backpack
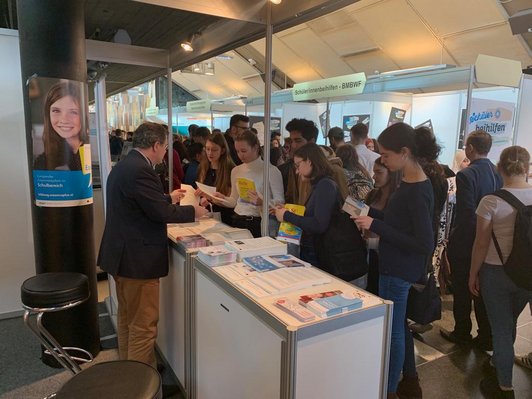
x=501 y=264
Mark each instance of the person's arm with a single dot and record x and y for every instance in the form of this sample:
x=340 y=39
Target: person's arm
x=231 y=200
x=465 y=200
x=422 y=239
x=155 y=204
x=480 y=250
x=276 y=186
x=178 y=168
x=326 y=194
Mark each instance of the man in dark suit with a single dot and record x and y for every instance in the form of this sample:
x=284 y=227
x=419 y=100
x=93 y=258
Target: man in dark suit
x=134 y=247
x=472 y=183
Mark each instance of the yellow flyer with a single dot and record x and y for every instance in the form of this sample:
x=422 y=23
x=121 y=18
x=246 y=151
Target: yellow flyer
x=244 y=186
x=287 y=231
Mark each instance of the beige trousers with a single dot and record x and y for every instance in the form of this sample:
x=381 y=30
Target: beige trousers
x=138 y=314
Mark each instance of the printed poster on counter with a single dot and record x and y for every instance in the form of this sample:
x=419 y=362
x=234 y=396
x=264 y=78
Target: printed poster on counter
x=62 y=170
x=495 y=118
x=396 y=115
x=351 y=120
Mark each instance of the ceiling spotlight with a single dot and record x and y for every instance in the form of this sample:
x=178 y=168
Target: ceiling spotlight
x=276 y=1
x=187 y=44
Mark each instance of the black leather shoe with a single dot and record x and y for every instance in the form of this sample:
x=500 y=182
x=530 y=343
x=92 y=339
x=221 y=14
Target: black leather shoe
x=452 y=337
x=482 y=344
x=170 y=391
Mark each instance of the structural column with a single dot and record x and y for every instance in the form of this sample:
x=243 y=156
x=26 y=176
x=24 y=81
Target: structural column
x=52 y=53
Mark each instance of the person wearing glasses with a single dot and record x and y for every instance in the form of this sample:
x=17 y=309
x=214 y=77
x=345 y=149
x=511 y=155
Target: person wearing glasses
x=134 y=247
x=237 y=124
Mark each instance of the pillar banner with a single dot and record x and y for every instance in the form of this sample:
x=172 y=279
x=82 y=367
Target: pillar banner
x=62 y=174
x=495 y=118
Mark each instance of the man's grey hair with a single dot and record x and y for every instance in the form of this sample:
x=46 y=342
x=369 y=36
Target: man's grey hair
x=148 y=134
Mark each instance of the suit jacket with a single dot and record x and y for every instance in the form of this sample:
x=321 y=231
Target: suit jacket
x=480 y=178
x=134 y=242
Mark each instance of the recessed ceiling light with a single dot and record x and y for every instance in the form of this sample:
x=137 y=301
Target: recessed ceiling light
x=187 y=46
x=276 y=1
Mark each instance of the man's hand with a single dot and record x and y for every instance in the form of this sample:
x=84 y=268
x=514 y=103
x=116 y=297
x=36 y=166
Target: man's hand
x=177 y=195
x=199 y=211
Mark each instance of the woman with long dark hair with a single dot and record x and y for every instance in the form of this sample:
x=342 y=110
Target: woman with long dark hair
x=406 y=242
x=215 y=170
x=65 y=131
x=312 y=165
x=358 y=178
x=386 y=182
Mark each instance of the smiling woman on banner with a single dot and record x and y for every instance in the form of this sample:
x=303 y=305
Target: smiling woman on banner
x=64 y=133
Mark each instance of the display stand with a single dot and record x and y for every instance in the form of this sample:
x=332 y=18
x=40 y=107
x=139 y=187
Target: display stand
x=243 y=347
x=173 y=339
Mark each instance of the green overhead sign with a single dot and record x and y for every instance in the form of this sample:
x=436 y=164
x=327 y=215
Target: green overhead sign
x=199 y=106
x=333 y=87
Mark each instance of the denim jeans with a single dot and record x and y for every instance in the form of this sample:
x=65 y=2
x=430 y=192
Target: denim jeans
x=504 y=302
x=396 y=289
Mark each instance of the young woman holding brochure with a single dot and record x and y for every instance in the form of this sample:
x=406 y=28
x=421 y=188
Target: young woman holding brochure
x=312 y=165
x=215 y=171
x=406 y=242
x=248 y=202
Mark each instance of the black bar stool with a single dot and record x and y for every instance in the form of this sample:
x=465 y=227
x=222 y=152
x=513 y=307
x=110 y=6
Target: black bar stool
x=122 y=379
x=53 y=292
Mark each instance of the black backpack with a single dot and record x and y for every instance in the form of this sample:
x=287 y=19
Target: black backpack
x=518 y=266
x=341 y=250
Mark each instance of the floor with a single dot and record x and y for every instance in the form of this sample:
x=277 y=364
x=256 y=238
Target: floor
x=445 y=370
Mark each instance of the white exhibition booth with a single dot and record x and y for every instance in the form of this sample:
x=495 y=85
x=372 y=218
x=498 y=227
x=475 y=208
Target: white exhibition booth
x=442 y=107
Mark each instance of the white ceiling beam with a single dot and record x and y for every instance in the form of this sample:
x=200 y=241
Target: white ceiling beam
x=125 y=54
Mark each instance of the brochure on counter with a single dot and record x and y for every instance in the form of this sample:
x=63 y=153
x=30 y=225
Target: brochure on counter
x=331 y=303
x=256 y=246
x=216 y=255
x=263 y=263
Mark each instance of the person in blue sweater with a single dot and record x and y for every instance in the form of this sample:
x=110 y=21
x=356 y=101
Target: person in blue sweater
x=406 y=242
x=311 y=164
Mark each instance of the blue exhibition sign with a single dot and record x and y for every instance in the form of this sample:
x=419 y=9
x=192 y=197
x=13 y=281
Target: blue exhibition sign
x=61 y=188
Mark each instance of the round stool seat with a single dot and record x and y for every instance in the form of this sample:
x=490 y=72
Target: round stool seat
x=122 y=379
x=54 y=290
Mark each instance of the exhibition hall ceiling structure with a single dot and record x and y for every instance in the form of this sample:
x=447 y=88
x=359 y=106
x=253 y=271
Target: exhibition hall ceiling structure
x=313 y=39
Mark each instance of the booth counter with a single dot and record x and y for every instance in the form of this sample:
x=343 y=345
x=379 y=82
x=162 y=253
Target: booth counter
x=244 y=347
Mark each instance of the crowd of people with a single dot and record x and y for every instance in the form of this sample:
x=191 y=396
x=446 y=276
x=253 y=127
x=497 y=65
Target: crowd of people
x=422 y=216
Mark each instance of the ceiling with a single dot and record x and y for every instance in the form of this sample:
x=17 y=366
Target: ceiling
x=374 y=35
x=354 y=36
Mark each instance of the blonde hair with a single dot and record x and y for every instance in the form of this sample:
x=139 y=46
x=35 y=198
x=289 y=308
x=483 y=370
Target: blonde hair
x=514 y=161
x=459 y=157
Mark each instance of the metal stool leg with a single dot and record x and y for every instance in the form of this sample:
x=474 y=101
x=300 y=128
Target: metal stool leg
x=53 y=347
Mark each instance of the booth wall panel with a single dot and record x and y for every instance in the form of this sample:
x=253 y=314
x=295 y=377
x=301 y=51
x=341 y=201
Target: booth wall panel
x=16 y=237
x=444 y=112
x=524 y=132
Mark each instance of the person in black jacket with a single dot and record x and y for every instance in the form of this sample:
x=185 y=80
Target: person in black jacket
x=480 y=178
x=134 y=247
x=406 y=242
x=237 y=124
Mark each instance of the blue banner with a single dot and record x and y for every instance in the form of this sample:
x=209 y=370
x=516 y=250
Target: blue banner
x=60 y=188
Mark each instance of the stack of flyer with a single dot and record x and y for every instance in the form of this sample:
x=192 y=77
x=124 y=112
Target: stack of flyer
x=256 y=246
x=193 y=241
x=263 y=263
x=216 y=256
x=331 y=303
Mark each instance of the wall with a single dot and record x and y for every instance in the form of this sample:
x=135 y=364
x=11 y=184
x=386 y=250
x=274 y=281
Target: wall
x=443 y=109
x=16 y=237
x=524 y=121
